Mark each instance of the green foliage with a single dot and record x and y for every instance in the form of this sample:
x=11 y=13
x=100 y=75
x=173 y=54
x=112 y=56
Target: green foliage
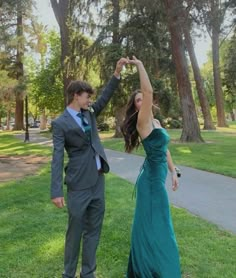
x=227 y=60
x=166 y=99
x=173 y=123
x=9 y=39
x=76 y=62
x=141 y=32
x=212 y=14
x=230 y=74
x=209 y=82
x=119 y=28
x=7 y=85
x=7 y=93
x=46 y=88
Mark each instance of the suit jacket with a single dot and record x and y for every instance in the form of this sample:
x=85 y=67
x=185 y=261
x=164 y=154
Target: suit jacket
x=81 y=170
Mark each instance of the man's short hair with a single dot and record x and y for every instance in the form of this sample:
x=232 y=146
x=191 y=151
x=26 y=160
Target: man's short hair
x=77 y=87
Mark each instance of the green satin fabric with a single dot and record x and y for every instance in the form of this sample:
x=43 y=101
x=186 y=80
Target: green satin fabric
x=154 y=252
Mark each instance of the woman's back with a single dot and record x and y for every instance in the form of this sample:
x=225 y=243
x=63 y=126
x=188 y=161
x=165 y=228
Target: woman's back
x=155 y=144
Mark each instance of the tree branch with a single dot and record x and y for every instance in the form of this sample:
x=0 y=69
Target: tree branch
x=226 y=36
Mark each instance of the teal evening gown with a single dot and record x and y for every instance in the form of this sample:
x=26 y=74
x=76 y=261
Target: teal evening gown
x=154 y=251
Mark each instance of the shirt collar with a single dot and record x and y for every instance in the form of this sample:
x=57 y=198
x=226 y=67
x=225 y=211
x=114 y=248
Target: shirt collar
x=72 y=111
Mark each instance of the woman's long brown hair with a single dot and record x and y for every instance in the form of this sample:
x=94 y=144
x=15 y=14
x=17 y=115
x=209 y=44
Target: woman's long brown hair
x=128 y=128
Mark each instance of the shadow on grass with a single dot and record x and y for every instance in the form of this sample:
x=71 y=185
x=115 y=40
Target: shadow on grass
x=24 y=149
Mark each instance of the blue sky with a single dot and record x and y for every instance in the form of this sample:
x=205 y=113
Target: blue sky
x=46 y=16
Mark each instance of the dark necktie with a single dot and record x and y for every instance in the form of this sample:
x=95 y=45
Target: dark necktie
x=85 y=124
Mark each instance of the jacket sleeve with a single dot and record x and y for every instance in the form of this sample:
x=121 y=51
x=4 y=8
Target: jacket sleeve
x=57 y=161
x=106 y=95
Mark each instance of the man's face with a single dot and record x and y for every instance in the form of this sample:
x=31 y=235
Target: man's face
x=83 y=100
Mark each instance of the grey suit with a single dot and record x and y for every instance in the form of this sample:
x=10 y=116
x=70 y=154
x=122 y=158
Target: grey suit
x=85 y=185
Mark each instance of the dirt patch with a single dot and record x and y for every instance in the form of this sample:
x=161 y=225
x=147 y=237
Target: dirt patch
x=16 y=167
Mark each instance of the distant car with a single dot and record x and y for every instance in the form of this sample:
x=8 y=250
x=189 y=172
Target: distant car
x=12 y=125
x=35 y=124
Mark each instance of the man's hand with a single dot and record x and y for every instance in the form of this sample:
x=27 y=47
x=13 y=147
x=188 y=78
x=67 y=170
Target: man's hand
x=119 y=66
x=59 y=202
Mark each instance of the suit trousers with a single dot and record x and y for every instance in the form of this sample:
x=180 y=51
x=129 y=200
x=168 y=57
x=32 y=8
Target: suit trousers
x=86 y=211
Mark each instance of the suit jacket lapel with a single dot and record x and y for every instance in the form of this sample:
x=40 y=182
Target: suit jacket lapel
x=73 y=124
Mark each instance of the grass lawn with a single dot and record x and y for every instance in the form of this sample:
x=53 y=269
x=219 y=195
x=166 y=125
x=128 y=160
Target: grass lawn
x=32 y=229
x=32 y=234
x=9 y=145
x=217 y=155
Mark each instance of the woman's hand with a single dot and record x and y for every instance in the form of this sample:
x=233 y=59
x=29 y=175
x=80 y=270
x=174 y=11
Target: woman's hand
x=175 y=182
x=134 y=61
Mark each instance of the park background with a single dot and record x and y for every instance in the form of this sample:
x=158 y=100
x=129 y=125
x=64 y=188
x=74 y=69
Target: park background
x=84 y=40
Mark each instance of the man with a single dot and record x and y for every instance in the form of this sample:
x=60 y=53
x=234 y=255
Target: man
x=76 y=131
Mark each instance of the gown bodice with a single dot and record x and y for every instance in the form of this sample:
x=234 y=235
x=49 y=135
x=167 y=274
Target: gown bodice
x=155 y=145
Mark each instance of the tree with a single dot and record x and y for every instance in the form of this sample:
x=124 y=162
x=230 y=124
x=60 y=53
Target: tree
x=45 y=84
x=13 y=15
x=73 y=43
x=19 y=111
x=135 y=28
x=7 y=96
x=191 y=129
x=216 y=21
x=38 y=42
x=186 y=25
x=212 y=13
x=112 y=53
x=62 y=10
x=229 y=79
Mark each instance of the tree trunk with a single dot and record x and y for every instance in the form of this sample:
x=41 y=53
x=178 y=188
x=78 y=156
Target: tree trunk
x=19 y=110
x=221 y=121
x=116 y=19
x=61 y=11
x=191 y=129
x=43 y=120
x=208 y=124
x=215 y=12
x=232 y=114
x=8 y=119
x=119 y=116
x=119 y=113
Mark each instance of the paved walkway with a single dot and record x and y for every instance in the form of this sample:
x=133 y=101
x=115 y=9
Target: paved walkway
x=35 y=137
x=210 y=196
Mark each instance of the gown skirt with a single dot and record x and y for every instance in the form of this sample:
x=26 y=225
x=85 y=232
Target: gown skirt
x=154 y=252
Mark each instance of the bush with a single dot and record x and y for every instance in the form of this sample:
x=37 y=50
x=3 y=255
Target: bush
x=105 y=124
x=173 y=123
x=103 y=127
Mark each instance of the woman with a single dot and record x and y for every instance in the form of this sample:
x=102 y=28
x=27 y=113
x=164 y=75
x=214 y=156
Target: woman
x=154 y=251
